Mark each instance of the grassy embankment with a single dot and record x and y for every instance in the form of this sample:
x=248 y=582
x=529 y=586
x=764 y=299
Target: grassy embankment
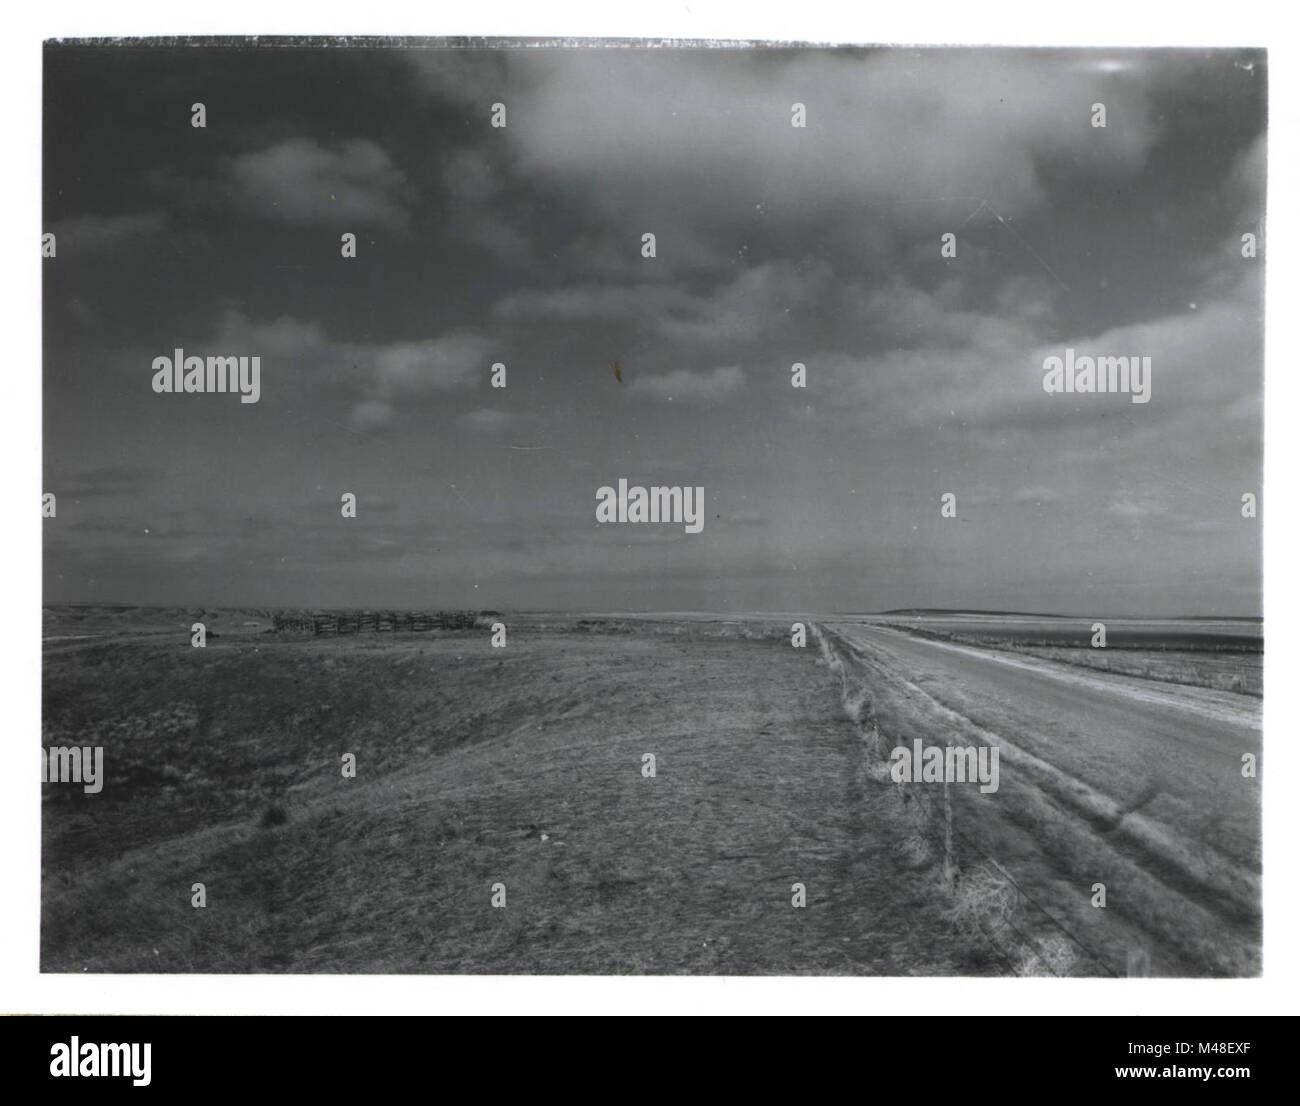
x=477 y=766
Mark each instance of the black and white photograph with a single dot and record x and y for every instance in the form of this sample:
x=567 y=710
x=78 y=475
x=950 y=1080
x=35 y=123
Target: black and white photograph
x=651 y=507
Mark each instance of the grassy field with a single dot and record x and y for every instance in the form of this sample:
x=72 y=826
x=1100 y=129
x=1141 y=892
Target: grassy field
x=476 y=766
x=1227 y=655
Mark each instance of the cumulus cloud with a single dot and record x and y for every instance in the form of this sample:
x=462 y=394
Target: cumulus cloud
x=979 y=370
x=897 y=127
x=765 y=302
x=302 y=181
x=450 y=362
x=301 y=355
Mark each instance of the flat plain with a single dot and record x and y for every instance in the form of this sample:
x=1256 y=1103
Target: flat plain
x=524 y=767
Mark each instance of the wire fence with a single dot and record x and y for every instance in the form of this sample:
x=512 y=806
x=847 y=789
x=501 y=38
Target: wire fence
x=991 y=909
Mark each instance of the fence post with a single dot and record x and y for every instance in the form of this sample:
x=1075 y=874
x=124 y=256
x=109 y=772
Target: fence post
x=948 y=868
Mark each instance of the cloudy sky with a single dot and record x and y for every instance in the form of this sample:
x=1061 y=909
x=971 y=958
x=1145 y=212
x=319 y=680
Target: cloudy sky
x=774 y=245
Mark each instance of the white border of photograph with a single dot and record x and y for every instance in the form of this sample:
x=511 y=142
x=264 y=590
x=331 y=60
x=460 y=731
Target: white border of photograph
x=23 y=989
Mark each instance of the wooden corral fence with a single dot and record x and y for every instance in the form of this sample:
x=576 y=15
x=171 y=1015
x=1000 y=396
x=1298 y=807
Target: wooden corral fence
x=374 y=622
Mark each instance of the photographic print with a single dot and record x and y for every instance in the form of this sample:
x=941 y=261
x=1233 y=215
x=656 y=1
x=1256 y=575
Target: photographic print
x=623 y=507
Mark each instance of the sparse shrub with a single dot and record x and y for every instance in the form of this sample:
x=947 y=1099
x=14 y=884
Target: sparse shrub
x=1056 y=955
x=983 y=901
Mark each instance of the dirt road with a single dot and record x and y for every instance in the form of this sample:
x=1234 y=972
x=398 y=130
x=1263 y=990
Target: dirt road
x=1100 y=769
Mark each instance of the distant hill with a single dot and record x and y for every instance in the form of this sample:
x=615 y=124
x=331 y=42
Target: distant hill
x=972 y=610
x=917 y=611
